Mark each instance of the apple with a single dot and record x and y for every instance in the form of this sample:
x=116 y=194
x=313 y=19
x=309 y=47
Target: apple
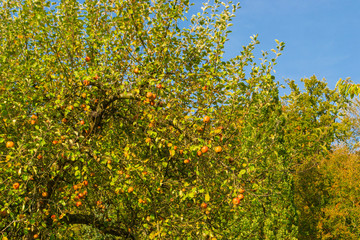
x=218 y=149
x=44 y=194
x=186 y=161
x=87 y=59
x=159 y=86
x=149 y=95
x=78 y=204
x=130 y=189
x=236 y=201
x=16 y=186
x=206 y=119
x=10 y=144
x=82 y=122
x=136 y=70
x=204 y=205
x=240 y=196
x=204 y=149
x=86 y=82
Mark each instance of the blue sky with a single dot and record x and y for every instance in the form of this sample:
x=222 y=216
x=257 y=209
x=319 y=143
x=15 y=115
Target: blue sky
x=321 y=36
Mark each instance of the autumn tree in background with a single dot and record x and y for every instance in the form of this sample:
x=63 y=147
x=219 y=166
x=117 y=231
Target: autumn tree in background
x=116 y=122
x=340 y=209
x=312 y=128
x=340 y=216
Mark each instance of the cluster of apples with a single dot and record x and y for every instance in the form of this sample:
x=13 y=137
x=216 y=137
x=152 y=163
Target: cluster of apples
x=150 y=98
x=80 y=195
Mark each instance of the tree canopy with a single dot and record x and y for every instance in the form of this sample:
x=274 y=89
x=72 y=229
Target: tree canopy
x=119 y=122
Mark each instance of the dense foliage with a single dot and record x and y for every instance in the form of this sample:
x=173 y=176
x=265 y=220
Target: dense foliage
x=118 y=123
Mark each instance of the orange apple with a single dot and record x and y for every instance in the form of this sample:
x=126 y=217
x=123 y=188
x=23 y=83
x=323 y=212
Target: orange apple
x=86 y=82
x=16 y=186
x=87 y=59
x=10 y=144
x=204 y=205
x=236 y=201
x=218 y=149
x=206 y=119
x=204 y=149
x=149 y=95
x=240 y=196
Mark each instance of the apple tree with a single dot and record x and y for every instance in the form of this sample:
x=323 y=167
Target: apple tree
x=121 y=119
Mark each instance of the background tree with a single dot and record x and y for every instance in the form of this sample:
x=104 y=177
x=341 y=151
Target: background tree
x=116 y=119
x=311 y=129
x=340 y=216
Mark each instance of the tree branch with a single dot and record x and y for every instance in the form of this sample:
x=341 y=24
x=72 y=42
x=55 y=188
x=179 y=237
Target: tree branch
x=92 y=221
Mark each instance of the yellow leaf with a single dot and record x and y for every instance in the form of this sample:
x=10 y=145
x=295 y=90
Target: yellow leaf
x=172 y=152
x=207 y=197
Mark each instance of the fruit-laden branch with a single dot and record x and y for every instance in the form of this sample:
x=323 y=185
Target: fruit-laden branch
x=92 y=221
